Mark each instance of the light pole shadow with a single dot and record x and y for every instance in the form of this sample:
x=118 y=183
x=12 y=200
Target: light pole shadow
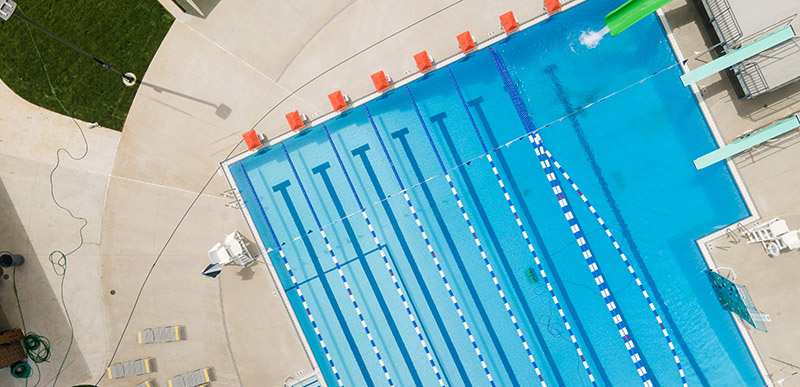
x=222 y=110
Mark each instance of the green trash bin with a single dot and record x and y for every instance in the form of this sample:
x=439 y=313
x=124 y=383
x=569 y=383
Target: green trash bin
x=21 y=369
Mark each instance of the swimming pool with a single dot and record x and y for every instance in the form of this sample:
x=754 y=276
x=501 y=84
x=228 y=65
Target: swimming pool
x=416 y=303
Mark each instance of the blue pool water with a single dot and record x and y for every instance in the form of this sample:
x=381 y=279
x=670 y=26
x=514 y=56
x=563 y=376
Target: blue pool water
x=631 y=155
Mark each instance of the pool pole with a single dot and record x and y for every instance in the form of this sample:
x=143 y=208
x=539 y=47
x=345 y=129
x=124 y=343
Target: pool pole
x=629 y=13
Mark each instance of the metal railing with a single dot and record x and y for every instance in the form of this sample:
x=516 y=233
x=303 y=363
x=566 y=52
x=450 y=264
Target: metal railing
x=725 y=22
x=751 y=78
x=769 y=29
x=232 y=194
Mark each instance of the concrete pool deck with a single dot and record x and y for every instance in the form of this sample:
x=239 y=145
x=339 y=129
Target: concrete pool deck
x=215 y=77
x=210 y=81
x=770 y=172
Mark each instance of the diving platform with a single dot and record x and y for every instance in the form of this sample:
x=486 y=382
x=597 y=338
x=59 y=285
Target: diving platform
x=734 y=23
x=748 y=142
x=735 y=57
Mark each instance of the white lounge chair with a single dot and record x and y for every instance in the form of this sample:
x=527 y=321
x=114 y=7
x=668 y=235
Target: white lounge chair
x=774 y=236
x=161 y=335
x=191 y=379
x=129 y=368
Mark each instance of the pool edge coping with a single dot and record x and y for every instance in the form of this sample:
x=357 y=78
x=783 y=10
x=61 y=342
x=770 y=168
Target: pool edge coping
x=566 y=5
x=225 y=166
x=263 y=252
x=754 y=215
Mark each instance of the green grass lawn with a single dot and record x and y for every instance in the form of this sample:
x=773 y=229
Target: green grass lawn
x=122 y=33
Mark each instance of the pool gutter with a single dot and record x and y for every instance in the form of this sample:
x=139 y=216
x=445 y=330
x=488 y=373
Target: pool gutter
x=263 y=252
x=400 y=83
x=225 y=166
x=754 y=216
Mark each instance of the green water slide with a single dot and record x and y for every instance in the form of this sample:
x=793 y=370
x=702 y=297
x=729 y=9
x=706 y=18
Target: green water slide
x=629 y=13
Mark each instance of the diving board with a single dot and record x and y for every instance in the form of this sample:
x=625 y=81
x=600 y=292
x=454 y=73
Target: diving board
x=747 y=142
x=739 y=55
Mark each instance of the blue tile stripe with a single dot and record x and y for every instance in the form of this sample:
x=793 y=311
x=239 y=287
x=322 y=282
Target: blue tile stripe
x=613 y=241
x=389 y=269
x=294 y=280
x=431 y=251
x=477 y=240
x=513 y=209
x=339 y=269
x=605 y=291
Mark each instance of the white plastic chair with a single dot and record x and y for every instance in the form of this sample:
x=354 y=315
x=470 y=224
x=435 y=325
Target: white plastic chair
x=235 y=244
x=774 y=236
x=219 y=254
x=791 y=239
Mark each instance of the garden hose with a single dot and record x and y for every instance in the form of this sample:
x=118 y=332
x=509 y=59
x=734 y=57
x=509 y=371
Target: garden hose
x=21 y=370
x=37 y=347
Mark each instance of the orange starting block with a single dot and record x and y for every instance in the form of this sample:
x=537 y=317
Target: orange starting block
x=424 y=62
x=338 y=100
x=251 y=139
x=381 y=81
x=466 y=42
x=295 y=120
x=509 y=22
x=552 y=6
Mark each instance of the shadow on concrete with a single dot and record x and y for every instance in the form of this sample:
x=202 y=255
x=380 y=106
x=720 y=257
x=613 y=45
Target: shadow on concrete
x=222 y=110
x=773 y=106
x=41 y=306
x=246 y=273
x=682 y=15
x=196 y=8
x=4 y=324
x=766 y=149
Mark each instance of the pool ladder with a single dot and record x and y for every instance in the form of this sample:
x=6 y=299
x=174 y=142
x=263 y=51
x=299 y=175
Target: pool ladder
x=732 y=237
x=232 y=194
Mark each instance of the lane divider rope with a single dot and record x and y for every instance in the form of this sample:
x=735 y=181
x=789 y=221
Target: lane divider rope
x=339 y=269
x=294 y=280
x=513 y=209
x=431 y=251
x=477 y=240
x=605 y=290
x=613 y=241
x=591 y=262
x=389 y=269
